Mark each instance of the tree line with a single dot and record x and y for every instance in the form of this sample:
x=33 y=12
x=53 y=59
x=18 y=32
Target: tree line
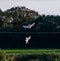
x=12 y=20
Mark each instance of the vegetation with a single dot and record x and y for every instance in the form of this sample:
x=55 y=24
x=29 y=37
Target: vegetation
x=49 y=23
x=13 y=19
x=30 y=55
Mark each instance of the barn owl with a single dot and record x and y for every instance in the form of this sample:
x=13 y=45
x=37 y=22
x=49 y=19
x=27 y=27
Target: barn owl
x=27 y=39
x=29 y=26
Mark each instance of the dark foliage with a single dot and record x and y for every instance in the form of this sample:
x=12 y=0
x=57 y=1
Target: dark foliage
x=20 y=16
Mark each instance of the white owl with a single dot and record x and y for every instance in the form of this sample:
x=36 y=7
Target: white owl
x=29 y=26
x=27 y=39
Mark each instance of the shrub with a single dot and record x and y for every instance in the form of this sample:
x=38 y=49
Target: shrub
x=2 y=55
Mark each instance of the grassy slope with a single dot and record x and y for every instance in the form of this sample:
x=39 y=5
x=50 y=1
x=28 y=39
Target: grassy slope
x=32 y=54
x=34 y=51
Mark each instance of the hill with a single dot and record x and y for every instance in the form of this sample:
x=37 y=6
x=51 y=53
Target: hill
x=15 y=17
x=22 y=19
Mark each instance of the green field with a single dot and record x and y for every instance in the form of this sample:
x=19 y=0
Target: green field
x=30 y=55
x=33 y=51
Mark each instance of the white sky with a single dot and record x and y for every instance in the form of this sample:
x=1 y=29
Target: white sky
x=51 y=7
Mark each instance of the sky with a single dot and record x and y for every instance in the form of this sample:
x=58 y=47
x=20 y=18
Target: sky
x=47 y=7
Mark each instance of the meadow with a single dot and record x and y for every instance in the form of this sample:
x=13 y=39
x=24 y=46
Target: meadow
x=30 y=55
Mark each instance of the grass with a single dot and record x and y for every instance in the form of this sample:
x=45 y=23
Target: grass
x=30 y=55
x=33 y=51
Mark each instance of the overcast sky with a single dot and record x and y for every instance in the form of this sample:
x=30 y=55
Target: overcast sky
x=48 y=7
